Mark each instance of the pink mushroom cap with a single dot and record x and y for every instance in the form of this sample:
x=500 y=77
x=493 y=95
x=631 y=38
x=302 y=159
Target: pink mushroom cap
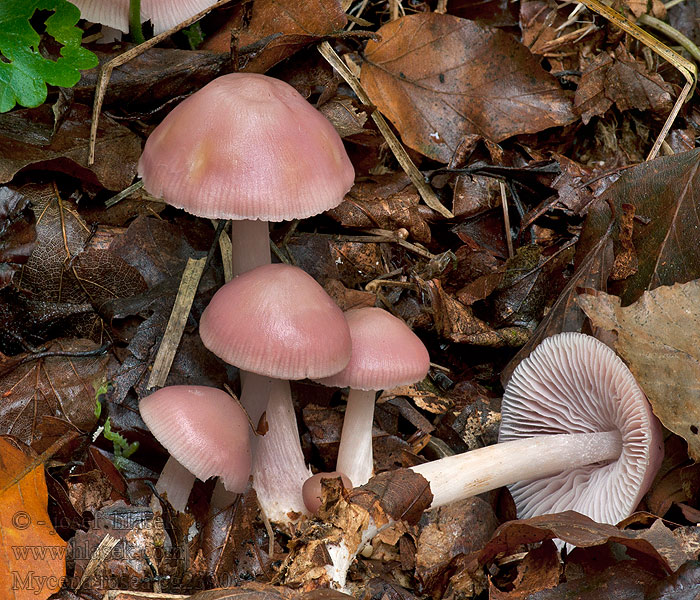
x=164 y=14
x=247 y=146
x=385 y=353
x=204 y=429
x=276 y=320
x=573 y=383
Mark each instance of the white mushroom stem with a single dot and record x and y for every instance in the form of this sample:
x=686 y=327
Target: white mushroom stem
x=471 y=473
x=355 y=451
x=250 y=241
x=176 y=482
x=279 y=470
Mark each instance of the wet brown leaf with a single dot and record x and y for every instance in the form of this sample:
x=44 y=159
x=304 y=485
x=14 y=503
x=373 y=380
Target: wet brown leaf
x=437 y=78
x=458 y=528
x=327 y=257
x=565 y=314
x=657 y=337
x=279 y=28
x=61 y=269
x=117 y=150
x=155 y=76
x=374 y=205
x=666 y=234
x=17 y=233
x=570 y=527
x=58 y=386
x=401 y=494
x=539 y=570
x=619 y=79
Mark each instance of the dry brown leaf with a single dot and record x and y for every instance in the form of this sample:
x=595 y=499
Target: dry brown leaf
x=58 y=386
x=658 y=338
x=31 y=552
x=438 y=78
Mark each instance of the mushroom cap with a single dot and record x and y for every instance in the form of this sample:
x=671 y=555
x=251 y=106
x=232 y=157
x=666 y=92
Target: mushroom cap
x=385 y=353
x=204 y=429
x=573 y=383
x=247 y=146
x=275 y=320
x=164 y=14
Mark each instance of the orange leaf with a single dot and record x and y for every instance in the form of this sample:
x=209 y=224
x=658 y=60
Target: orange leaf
x=32 y=555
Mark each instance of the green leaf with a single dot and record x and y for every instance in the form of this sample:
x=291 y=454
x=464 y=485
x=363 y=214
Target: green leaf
x=24 y=72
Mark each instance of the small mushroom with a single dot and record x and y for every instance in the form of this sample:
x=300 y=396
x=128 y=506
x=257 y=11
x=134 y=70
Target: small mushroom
x=205 y=431
x=385 y=354
x=278 y=323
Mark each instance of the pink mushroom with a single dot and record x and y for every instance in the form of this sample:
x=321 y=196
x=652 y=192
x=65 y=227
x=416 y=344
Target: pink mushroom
x=164 y=14
x=577 y=433
x=247 y=147
x=206 y=434
x=276 y=322
x=385 y=354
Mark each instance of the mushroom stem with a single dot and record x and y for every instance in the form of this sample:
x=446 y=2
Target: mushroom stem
x=176 y=482
x=478 y=471
x=355 y=451
x=255 y=390
x=250 y=241
x=471 y=473
x=279 y=470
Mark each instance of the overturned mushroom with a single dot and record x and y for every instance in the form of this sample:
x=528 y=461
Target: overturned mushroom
x=577 y=434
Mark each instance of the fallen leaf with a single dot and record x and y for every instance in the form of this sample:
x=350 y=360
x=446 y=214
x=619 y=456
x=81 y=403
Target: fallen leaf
x=539 y=570
x=32 y=553
x=61 y=268
x=665 y=193
x=657 y=338
x=17 y=233
x=458 y=528
x=58 y=386
x=619 y=79
x=117 y=151
x=438 y=78
x=570 y=527
x=279 y=28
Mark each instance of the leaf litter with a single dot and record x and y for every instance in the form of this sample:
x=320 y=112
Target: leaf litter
x=524 y=103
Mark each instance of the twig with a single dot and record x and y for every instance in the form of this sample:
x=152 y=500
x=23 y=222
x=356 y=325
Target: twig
x=425 y=191
x=672 y=33
x=176 y=323
x=506 y=219
x=126 y=192
x=108 y=67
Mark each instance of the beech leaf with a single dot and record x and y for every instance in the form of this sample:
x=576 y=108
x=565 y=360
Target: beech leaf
x=658 y=338
x=438 y=78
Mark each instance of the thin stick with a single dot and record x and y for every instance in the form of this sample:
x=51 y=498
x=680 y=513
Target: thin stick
x=425 y=191
x=506 y=219
x=108 y=67
x=176 y=323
